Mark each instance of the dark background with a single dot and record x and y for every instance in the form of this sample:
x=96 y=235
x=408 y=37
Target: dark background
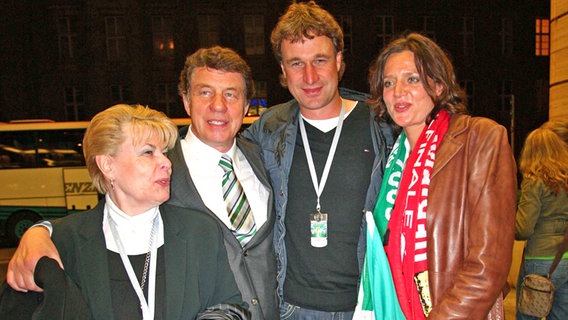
x=69 y=59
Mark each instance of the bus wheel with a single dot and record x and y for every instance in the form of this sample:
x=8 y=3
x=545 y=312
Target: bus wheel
x=18 y=223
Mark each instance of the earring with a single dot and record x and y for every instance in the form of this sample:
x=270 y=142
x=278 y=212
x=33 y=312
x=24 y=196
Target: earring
x=112 y=184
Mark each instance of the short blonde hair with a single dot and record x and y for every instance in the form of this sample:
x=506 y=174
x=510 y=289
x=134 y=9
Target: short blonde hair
x=106 y=133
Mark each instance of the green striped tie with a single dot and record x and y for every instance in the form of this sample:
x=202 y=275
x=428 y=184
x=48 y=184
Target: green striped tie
x=238 y=208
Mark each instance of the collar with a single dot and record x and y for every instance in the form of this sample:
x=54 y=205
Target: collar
x=122 y=218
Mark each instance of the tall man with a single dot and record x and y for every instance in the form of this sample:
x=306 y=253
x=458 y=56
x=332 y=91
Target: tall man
x=325 y=153
x=216 y=87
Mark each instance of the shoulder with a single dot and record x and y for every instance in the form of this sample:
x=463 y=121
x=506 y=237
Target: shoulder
x=529 y=183
x=247 y=147
x=183 y=132
x=251 y=151
x=188 y=220
x=77 y=227
x=279 y=113
x=272 y=122
x=353 y=94
x=81 y=219
x=480 y=126
x=472 y=122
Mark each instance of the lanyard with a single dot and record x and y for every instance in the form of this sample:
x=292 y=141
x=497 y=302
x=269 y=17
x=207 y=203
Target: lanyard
x=147 y=307
x=318 y=187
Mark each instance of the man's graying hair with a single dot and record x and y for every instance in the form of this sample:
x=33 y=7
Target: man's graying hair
x=217 y=58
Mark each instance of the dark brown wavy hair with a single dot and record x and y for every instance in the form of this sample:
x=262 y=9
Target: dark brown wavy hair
x=432 y=63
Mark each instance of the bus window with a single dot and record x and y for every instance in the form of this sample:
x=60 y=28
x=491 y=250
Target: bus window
x=43 y=174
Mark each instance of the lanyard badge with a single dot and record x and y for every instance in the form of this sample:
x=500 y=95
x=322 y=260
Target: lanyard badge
x=318 y=229
x=318 y=220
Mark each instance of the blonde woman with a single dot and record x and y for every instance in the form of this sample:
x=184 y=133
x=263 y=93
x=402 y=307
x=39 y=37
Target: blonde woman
x=542 y=213
x=133 y=256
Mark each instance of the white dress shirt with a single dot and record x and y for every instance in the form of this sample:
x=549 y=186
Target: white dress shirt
x=203 y=164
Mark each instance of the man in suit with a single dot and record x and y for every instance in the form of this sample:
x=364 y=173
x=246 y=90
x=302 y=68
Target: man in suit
x=216 y=87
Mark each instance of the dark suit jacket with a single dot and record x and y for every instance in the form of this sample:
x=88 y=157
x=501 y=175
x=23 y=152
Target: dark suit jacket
x=254 y=266
x=195 y=260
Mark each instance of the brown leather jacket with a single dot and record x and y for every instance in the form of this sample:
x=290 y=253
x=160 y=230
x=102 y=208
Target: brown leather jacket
x=471 y=220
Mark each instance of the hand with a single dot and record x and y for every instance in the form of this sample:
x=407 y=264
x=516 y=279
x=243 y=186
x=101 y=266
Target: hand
x=35 y=244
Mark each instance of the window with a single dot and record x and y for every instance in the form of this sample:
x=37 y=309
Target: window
x=115 y=38
x=120 y=93
x=346 y=25
x=209 y=30
x=506 y=34
x=162 y=37
x=467 y=34
x=74 y=104
x=429 y=26
x=254 y=34
x=469 y=87
x=384 y=30
x=67 y=37
x=542 y=37
x=166 y=98
x=506 y=95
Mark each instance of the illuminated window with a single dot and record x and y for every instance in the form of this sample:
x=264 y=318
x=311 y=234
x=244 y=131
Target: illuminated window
x=254 y=34
x=542 y=31
x=162 y=37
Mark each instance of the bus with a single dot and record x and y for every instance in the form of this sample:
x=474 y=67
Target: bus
x=43 y=174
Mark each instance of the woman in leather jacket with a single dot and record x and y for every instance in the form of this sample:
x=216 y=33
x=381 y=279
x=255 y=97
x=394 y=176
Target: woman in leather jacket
x=445 y=213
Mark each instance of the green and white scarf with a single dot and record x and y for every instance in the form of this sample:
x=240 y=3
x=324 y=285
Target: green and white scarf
x=377 y=294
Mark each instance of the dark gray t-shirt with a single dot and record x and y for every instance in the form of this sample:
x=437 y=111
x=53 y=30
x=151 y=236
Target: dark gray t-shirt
x=326 y=278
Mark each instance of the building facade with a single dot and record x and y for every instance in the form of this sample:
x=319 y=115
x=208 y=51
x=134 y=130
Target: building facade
x=559 y=60
x=69 y=59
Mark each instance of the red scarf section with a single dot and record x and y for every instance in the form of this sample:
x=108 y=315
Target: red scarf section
x=406 y=246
